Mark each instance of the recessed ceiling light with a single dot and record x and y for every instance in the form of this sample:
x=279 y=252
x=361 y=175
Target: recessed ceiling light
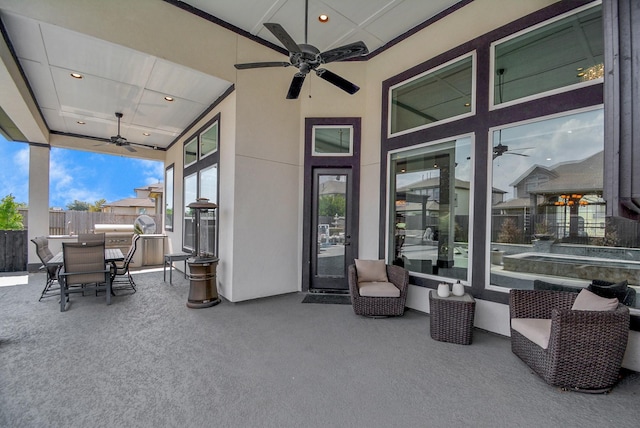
x=80 y=122
x=323 y=18
x=76 y=75
x=146 y=134
x=467 y=104
x=168 y=98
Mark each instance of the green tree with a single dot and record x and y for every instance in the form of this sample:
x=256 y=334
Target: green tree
x=330 y=205
x=96 y=207
x=77 y=205
x=10 y=218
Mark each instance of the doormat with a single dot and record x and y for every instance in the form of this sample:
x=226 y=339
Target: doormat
x=334 y=299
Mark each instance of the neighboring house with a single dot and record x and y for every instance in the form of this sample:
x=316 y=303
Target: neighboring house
x=148 y=200
x=567 y=196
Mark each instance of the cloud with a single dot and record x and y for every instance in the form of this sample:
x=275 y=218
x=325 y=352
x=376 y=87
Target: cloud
x=14 y=170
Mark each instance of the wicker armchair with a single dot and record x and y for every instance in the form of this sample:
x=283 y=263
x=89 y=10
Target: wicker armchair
x=380 y=306
x=585 y=348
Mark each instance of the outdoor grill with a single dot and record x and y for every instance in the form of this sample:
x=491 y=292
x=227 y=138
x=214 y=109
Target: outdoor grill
x=116 y=235
x=203 y=291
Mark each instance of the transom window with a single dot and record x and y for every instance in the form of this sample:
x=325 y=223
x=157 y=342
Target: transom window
x=439 y=95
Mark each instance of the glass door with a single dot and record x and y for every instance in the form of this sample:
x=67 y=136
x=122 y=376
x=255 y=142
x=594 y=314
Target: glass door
x=331 y=229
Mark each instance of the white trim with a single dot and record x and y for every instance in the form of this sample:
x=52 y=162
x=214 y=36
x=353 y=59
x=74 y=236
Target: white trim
x=492 y=71
x=313 y=141
x=474 y=67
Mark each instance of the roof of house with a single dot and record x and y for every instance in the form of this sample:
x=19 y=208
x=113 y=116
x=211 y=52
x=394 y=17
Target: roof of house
x=132 y=202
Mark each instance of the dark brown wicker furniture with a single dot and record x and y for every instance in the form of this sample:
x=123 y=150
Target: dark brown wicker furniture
x=380 y=306
x=585 y=348
x=451 y=318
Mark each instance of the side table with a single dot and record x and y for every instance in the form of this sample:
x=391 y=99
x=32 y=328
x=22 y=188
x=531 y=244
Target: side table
x=452 y=318
x=168 y=261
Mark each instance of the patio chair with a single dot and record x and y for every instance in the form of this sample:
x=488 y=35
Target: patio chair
x=575 y=341
x=120 y=273
x=83 y=265
x=378 y=289
x=51 y=287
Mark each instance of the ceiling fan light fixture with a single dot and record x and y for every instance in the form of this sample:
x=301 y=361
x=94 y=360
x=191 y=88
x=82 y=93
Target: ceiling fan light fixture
x=324 y=18
x=76 y=75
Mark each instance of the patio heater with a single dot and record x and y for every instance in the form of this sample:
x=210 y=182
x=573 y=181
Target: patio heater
x=203 y=292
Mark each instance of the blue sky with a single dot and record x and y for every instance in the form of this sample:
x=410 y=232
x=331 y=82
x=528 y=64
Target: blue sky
x=75 y=174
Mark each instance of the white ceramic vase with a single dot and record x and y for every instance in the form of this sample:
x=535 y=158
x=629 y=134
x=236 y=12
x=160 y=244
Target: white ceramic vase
x=443 y=289
x=458 y=289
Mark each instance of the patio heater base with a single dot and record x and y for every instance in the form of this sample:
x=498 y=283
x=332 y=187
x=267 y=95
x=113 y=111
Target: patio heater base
x=203 y=292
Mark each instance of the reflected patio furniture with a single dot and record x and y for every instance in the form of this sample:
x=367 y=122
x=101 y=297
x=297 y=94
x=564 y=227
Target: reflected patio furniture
x=584 y=348
x=83 y=265
x=51 y=287
x=91 y=237
x=380 y=306
x=121 y=276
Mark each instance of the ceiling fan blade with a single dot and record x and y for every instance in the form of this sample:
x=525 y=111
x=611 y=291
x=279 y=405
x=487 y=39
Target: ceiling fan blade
x=340 y=82
x=515 y=153
x=261 y=65
x=344 y=52
x=282 y=35
x=128 y=147
x=296 y=86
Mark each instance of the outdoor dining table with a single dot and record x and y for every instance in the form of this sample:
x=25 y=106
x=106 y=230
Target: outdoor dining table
x=111 y=255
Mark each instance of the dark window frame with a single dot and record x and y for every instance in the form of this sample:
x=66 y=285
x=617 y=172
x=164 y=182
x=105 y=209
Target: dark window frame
x=211 y=159
x=479 y=124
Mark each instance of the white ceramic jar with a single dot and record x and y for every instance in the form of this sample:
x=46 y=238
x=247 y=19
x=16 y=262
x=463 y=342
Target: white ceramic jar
x=443 y=289
x=458 y=289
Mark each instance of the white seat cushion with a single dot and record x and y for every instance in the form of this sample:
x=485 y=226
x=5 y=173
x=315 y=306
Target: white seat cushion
x=378 y=289
x=536 y=330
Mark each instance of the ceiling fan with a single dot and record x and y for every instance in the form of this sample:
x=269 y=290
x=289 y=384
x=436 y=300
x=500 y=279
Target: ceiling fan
x=120 y=141
x=307 y=58
x=501 y=149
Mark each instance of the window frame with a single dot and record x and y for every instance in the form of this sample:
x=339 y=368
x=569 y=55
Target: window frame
x=169 y=202
x=389 y=202
x=493 y=72
x=474 y=69
x=315 y=153
x=203 y=163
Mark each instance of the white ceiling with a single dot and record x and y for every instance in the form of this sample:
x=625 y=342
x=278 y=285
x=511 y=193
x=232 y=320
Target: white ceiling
x=119 y=79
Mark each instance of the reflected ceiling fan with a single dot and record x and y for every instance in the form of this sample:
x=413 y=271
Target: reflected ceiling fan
x=118 y=140
x=307 y=58
x=501 y=149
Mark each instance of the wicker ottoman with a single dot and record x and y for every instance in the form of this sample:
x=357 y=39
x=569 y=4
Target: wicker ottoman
x=452 y=318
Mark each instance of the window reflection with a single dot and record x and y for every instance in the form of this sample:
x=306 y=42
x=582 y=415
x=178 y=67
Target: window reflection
x=562 y=53
x=548 y=213
x=430 y=211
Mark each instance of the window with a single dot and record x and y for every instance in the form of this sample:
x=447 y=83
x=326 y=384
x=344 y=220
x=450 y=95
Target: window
x=442 y=94
x=559 y=55
x=191 y=152
x=209 y=141
x=209 y=189
x=430 y=208
x=190 y=195
x=168 y=208
x=201 y=181
x=557 y=228
x=332 y=140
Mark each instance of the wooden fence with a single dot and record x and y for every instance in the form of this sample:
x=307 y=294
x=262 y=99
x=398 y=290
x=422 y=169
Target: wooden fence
x=13 y=250
x=74 y=222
